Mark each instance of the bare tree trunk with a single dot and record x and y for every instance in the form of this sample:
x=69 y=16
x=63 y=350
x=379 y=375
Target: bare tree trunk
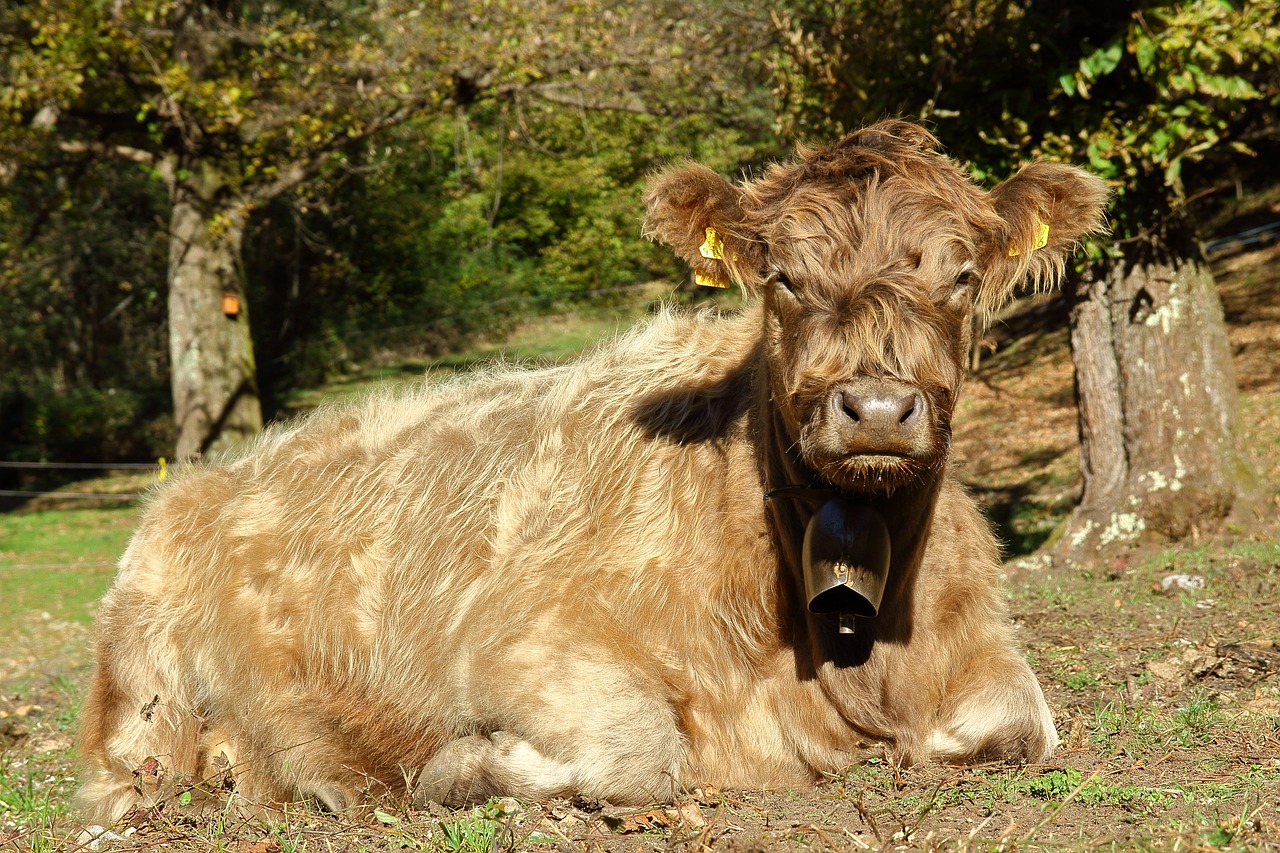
x=1158 y=404
x=215 y=385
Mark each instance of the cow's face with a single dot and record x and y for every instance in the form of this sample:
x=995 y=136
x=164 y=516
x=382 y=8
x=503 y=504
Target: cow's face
x=872 y=257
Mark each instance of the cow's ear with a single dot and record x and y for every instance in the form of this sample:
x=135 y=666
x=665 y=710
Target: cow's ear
x=1046 y=210
x=700 y=216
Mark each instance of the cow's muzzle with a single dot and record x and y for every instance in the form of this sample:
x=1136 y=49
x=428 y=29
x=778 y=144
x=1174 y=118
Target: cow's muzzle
x=881 y=417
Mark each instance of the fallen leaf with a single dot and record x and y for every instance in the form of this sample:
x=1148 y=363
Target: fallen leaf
x=708 y=795
x=691 y=815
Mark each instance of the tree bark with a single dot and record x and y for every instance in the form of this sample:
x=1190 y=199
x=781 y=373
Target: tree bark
x=215 y=386
x=1158 y=403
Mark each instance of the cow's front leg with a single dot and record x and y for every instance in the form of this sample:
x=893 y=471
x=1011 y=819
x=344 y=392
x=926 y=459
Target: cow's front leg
x=994 y=710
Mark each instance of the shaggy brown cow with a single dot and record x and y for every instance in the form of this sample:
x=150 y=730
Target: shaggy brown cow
x=594 y=578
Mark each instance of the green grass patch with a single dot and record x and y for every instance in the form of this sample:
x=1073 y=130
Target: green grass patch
x=1056 y=785
x=474 y=833
x=552 y=339
x=33 y=801
x=58 y=562
x=1082 y=680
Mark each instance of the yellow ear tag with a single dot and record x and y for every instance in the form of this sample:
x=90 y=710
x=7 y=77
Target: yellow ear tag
x=712 y=247
x=1042 y=240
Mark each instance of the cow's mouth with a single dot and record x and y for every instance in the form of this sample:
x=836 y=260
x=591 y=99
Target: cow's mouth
x=872 y=473
x=872 y=436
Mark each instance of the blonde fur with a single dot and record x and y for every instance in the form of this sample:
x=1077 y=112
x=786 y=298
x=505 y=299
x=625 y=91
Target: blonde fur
x=539 y=582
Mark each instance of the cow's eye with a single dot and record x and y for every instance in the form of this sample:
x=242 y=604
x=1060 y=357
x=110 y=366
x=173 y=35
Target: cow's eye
x=780 y=278
x=964 y=281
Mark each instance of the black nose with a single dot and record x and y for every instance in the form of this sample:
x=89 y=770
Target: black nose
x=881 y=416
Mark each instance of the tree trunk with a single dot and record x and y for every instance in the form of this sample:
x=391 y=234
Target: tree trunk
x=215 y=385
x=1158 y=403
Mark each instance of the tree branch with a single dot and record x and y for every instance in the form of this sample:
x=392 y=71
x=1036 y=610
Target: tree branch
x=294 y=174
x=578 y=99
x=125 y=152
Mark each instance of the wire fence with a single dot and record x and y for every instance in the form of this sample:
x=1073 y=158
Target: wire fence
x=85 y=564
x=93 y=496
x=1251 y=237
x=160 y=466
x=103 y=466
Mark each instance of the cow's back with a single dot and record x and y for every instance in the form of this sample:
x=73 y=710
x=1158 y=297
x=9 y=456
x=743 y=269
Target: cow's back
x=406 y=550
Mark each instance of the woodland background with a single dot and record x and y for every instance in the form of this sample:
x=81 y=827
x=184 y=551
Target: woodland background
x=361 y=180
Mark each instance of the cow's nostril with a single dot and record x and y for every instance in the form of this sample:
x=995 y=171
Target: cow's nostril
x=912 y=410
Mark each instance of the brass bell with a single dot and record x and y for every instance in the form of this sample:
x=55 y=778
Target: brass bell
x=845 y=558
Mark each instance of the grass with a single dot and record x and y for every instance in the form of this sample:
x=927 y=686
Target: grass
x=58 y=562
x=552 y=339
x=33 y=801
x=473 y=833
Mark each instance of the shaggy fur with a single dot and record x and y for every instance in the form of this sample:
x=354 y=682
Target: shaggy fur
x=540 y=582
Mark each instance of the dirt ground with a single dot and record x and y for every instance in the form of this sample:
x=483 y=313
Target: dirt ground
x=1162 y=670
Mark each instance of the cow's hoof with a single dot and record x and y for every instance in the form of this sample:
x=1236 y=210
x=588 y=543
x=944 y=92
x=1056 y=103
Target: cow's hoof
x=334 y=798
x=456 y=762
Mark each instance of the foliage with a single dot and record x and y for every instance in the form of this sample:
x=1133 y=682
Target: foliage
x=466 y=223
x=1180 y=85
x=82 y=357
x=252 y=99
x=517 y=182
x=1139 y=91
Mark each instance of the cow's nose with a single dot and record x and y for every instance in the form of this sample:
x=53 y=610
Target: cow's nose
x=881 y=417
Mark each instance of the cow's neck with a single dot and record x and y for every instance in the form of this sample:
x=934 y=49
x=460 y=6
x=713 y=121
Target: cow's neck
x=908 y=514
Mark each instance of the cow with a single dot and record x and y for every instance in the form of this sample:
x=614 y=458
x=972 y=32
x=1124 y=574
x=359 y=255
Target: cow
x=725 y=548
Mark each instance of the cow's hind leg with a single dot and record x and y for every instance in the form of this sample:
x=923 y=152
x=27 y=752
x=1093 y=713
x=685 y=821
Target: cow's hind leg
x=473 y=769
x=578 y=726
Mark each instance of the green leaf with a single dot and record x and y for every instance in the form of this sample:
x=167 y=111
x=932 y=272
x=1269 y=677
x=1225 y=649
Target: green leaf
x=1145 y=51
x=184 y=799
x=384 y=818
x=1102 y=61
x=1160 y=140
x=1068 y=83
x=1227 y=87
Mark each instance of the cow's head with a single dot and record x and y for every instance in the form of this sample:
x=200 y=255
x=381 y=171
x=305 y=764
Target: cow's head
x=872 y=256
